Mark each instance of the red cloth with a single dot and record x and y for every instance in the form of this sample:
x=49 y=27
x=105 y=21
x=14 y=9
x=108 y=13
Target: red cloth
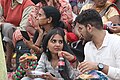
x=71 y=37
x=14 y=16
x=112 y=1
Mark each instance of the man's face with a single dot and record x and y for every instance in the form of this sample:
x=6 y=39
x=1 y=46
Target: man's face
x=83 y=32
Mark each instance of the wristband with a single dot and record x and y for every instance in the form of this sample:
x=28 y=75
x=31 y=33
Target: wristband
x=73 y=60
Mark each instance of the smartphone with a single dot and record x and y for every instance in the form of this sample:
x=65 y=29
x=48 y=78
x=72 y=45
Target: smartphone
x=25 y=35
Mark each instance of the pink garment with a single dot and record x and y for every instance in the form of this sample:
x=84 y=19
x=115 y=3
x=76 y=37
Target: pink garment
x=17 y=36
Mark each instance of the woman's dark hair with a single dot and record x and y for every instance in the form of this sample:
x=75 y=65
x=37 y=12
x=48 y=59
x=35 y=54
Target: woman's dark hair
x=90 y=16
x=51 y=33
x=55 y=14
x=37 y=1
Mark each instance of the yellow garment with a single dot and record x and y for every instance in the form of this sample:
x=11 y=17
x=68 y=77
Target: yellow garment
x=110 y=13
x=3 y=70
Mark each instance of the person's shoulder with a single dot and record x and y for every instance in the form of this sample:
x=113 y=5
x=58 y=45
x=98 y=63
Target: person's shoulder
x=43 y=55
x=111 y=6
x=89 y=44
x=114 y=38
x=87 y=6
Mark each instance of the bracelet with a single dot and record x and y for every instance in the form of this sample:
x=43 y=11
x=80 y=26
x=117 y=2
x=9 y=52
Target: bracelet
x=73 y=60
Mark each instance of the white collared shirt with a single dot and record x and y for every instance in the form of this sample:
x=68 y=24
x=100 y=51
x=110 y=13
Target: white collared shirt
x=108 y=53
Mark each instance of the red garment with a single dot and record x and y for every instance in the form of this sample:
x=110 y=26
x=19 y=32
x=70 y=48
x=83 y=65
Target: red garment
x=65 y=9
x=112 y=1
x=11 y=15
x=71 y=37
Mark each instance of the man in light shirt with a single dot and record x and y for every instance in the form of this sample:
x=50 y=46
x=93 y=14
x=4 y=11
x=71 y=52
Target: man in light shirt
x=102 y=51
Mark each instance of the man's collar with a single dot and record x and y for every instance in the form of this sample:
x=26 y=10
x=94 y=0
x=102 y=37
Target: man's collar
x=106 y=39
x=19 y=1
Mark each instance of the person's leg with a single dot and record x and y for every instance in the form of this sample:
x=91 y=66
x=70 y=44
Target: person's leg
x=7 y=31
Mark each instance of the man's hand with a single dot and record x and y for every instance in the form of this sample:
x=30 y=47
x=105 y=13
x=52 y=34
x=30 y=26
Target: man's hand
x=87 y=66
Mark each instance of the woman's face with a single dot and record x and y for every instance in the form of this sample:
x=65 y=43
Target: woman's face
x=55 y=44
x=100 y=3
x=42 y=18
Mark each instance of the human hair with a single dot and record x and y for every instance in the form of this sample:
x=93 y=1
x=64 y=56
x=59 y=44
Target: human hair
x=90 y=16
x=50 y=34
x=55 y=14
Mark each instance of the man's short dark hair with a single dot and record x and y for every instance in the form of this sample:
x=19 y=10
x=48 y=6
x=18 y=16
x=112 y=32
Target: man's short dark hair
x=90 y=16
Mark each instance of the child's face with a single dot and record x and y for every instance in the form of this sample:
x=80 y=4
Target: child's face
x=55 y=44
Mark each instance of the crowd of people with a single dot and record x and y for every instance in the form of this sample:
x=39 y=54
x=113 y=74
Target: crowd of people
x=84 y=32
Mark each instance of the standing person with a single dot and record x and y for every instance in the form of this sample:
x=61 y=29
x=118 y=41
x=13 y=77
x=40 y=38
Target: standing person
x=102 y=51
x=13 y=15
x=54 y=45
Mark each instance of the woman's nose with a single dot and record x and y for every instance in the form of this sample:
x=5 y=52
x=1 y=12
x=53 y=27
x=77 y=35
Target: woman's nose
x=57 y=43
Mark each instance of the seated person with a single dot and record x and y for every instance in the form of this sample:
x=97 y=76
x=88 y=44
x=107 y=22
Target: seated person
x=54 y=46
x=107 y=13
x=102 y=51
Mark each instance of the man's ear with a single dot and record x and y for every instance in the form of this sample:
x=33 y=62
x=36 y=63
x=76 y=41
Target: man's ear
x=49 y=19
x=89 y=27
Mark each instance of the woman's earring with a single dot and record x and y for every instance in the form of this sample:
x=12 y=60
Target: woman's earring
x=46 y=50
